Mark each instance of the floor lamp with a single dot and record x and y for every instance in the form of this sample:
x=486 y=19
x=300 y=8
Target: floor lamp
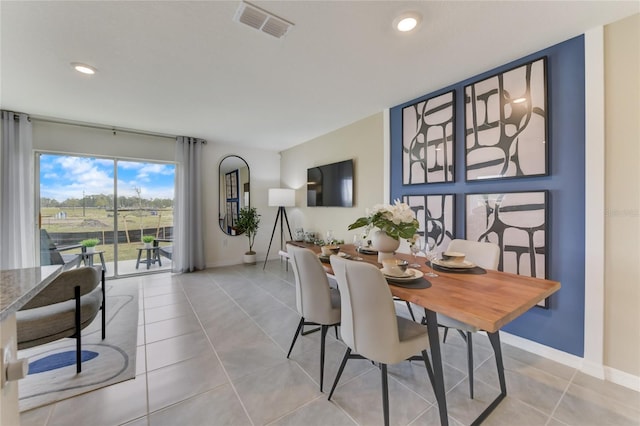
x=281 y=198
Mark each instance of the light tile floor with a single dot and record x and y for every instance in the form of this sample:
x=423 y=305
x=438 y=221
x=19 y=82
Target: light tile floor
x=212 y=351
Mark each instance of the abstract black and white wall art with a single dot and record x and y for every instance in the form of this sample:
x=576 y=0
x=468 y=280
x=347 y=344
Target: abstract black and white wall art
x=428 y=141
x=517 y=223
x=506 y=121
x=436 y=215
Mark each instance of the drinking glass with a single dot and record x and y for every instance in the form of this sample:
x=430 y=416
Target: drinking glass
x=329 y=237
x=357 y=242
x=415 y=249
x=431 y=253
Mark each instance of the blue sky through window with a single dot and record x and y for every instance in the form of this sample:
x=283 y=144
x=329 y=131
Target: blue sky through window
x=64 y=176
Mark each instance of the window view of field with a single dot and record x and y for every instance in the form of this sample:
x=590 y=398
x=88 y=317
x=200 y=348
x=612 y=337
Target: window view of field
x=77 y=203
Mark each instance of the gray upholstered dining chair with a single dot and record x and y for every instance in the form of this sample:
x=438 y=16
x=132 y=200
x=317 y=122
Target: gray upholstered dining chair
x=370 y=326
x=316 y=301
x=485 y=255
x=63 y=309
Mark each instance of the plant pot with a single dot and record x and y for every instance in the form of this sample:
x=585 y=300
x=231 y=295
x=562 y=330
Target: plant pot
x=250 y=258
x=148 y=245
x=384 y=244
x=89 y=249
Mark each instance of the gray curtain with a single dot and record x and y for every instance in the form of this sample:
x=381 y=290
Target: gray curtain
x=188 y=233
x=17 y=212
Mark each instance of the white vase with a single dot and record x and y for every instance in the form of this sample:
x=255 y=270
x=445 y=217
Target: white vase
x=250 y=258
x=148 y=245
x=384 y=244
x=90 y=249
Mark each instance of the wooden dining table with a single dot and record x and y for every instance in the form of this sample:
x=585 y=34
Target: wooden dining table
x=487 y=301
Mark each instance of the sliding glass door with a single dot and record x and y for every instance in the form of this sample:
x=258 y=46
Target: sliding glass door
x=117 y=202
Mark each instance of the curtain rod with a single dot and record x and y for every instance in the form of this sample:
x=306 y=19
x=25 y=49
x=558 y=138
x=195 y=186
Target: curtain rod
x=101 y=127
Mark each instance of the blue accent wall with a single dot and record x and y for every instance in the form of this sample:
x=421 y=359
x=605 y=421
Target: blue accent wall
x=561 y=326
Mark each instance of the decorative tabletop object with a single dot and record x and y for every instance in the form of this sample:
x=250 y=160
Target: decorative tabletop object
x=148 y=241
x=90 y=244
x=394 y=221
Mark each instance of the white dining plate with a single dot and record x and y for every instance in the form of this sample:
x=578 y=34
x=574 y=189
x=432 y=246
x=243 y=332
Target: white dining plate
x=465 y=264
x=410 y=275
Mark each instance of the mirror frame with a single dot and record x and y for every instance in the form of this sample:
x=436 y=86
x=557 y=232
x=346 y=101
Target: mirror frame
x=234 y=191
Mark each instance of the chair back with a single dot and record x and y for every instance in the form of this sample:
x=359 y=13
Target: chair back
x=62 y=287
x=49 y=254
x=313 y=297
x=368 y=321
x=483 y=254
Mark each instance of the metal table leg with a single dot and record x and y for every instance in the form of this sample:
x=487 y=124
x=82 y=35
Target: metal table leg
x=494 y=338
x=436 y=360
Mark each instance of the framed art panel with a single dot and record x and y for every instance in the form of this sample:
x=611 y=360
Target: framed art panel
x=506 y=124
x=517 y=223
x=436 y=216
x=428 y=141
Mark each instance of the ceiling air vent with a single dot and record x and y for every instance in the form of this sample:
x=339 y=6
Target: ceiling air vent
x=262 y=20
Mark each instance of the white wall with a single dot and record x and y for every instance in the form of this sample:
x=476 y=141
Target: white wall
x=71 y=139
x=264 y=166
x=361 y=141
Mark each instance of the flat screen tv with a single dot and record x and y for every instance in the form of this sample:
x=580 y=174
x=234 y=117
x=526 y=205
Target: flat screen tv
x=330 y=185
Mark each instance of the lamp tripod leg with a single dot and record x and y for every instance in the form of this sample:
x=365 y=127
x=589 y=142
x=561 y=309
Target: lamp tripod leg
x=284 y=214
x=271 y=241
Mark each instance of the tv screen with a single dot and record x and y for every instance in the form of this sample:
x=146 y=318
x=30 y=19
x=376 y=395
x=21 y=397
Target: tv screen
x=330 y=185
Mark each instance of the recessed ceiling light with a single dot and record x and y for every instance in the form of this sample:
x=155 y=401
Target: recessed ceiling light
x=407 y=21
x=83 y=68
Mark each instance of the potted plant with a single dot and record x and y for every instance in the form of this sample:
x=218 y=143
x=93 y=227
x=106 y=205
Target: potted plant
x=248 y=221
x=90 y=244
x=393 y=221
x=148 y=240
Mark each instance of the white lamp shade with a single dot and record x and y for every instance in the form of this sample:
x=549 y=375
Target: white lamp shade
x=282 y=197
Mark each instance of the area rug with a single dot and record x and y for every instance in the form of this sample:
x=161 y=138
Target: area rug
x=52 y=369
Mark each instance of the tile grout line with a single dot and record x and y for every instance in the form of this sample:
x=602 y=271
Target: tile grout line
x=146 y=358
x=298 y=364
x=566 y=389
x=235 y=391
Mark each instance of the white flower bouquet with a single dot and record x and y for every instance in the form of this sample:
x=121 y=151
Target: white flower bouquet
x=397 y=220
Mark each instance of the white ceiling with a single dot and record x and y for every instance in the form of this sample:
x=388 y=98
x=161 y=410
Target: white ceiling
x=186 y=68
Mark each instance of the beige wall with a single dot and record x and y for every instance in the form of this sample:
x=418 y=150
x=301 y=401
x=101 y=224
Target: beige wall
x=363 y=142
x=622 y=195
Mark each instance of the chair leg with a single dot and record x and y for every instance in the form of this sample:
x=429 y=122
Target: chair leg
x=104 y=310
x=323 y=336
x=446 y=331
x=410 y=311
x=385 y=393
x=78 y=330
x=295 y=336
x=427 y=364
x=344 y=362
x=336 y=328
x=470 y=363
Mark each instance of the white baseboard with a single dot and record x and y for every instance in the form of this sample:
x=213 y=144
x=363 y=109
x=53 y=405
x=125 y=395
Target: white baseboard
x=621 y=378
x=593 y=369
x=596 y=370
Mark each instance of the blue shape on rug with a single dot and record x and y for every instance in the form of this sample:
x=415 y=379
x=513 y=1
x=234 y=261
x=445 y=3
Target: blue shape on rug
x=59 y=360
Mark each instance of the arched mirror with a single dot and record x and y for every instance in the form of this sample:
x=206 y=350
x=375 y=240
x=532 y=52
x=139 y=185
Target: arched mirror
x=233 y=192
